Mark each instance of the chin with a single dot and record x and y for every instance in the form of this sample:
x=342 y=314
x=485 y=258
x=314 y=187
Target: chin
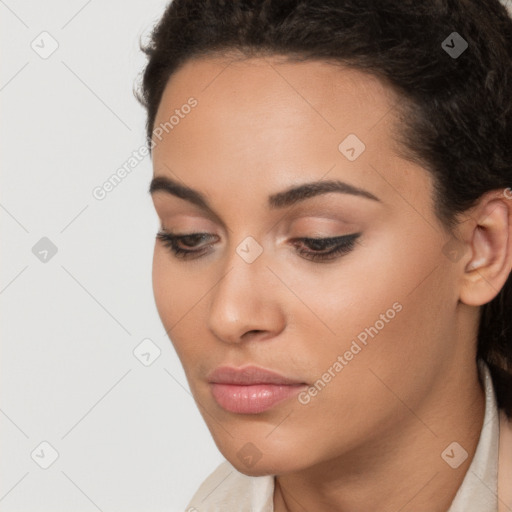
x=275 y=463
x=259 y=469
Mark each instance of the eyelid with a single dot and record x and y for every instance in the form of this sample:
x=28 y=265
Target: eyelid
x=329 y=212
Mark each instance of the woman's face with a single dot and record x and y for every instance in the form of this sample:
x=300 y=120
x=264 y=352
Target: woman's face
x=372 y=331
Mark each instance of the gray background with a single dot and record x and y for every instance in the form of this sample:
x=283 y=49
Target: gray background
x=129 y=437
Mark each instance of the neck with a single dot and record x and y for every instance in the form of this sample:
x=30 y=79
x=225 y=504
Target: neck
x=402 y=468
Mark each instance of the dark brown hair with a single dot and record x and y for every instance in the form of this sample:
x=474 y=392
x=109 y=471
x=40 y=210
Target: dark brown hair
x=456 y=113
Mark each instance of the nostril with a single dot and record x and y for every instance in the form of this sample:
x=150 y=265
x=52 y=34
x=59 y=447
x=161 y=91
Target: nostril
x=248 y=334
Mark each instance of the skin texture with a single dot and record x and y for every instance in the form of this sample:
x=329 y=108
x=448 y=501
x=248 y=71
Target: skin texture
x=372 y=438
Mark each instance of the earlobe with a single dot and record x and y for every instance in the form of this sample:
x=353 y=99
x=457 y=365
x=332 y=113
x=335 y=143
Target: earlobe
x=490 y=241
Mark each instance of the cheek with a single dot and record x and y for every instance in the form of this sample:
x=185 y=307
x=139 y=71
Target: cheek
x=384 y=312
x=160 y=281
x=173 y=292
x=173 y=287
x=178 y=294
x=388 y=296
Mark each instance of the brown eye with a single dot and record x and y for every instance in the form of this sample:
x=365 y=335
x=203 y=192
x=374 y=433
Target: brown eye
x=337 y=246
x=173 y=242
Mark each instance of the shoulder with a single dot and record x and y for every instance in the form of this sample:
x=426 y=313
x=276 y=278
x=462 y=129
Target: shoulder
x=228 y=490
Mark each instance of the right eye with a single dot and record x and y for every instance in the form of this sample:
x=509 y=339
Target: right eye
x=189 y=240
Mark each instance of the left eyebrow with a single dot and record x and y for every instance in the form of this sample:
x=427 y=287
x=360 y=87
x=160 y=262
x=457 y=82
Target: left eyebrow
x=279 y=200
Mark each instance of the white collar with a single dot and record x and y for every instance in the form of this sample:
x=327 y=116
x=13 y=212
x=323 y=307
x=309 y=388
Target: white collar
x=479 y=488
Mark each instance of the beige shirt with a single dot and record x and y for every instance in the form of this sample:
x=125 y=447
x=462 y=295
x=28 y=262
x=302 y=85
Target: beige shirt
x=228 y=490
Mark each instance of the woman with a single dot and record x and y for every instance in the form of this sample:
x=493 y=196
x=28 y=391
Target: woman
x=332 y=179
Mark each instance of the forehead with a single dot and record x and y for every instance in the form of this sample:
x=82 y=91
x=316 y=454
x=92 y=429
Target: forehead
x=273 y=91
x=266 y=122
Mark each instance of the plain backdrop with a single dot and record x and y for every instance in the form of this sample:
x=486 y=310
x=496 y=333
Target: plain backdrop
x=89 y=420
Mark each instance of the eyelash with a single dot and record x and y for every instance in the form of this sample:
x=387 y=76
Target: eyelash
x=342 y=245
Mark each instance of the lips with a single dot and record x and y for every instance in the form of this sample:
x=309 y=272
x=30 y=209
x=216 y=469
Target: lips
x=251 y=389
x=249 y=375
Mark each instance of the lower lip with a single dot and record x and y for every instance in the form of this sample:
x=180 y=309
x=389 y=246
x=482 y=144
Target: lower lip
x=252 y=399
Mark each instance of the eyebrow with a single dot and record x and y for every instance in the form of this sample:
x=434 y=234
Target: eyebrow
x=279 y=200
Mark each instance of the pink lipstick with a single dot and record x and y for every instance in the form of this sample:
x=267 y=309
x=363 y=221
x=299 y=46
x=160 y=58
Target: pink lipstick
x=251 y=389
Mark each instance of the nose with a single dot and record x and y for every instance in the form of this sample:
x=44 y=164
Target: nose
x=245 y=303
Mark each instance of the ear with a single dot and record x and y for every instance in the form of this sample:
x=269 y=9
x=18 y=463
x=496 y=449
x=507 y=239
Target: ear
x=487 y=233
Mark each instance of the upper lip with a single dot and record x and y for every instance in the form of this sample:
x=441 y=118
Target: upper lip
x=249 y=375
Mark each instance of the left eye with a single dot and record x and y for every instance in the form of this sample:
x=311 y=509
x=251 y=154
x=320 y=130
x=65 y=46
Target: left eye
x=323 y=249
x=337 y=245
